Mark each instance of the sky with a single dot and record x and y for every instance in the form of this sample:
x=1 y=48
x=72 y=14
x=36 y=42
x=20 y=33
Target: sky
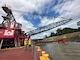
x=33 y=14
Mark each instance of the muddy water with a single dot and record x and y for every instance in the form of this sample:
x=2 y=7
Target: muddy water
x=59 y=51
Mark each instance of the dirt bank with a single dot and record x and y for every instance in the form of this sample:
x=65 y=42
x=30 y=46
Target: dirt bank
x=69 y=37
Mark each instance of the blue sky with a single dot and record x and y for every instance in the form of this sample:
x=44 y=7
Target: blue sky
x=46 y=11
x=33 y=14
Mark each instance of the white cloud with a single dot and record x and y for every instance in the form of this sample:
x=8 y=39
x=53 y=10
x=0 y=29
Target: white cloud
x=25 y=5
x=26 y=25
x=72 y=24
x=68 y=9
x=45 y=33
x=46 y=21
x=20 y=7
x=0 y=20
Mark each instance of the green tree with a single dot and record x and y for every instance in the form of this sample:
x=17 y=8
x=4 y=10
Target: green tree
x=52 y=34
x=78 y=28
x=59 y=31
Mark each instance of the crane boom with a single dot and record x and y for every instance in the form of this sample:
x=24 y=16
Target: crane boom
x=9 y=15
x=48 y=27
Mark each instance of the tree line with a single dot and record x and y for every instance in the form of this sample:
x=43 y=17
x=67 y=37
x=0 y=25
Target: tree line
x=60 y=31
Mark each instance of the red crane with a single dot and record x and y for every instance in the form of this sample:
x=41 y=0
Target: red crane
x=11 y=33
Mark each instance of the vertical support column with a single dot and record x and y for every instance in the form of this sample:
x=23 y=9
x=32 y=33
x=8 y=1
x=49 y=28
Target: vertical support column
x=15 y=42
x=19 y=44
x=1 y=43
x=34 y=51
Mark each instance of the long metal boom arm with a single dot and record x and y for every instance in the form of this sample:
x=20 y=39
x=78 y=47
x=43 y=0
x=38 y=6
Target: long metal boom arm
x=48 y=27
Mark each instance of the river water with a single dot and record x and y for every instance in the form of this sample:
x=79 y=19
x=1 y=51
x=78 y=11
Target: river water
x=60 y=51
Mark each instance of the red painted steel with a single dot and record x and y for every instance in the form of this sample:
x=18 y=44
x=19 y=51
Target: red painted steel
x=16 y=54
x=19 y=54
x=10 y=29
x=7 y=33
